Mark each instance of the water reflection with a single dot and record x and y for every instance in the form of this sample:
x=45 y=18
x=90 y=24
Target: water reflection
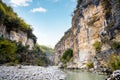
x=83 y=75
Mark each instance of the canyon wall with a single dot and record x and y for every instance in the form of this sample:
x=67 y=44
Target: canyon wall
x=93 y=21
x=17 y=36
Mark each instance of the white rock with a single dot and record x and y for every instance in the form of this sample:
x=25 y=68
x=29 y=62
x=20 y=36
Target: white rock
x=31 y=73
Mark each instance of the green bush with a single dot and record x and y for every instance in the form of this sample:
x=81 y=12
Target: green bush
x=114 y=62
x=79 y=1
x=41 y=61
x=115 y=45
x=7 y=51
x=107 y=6
x=90 y=64
x=13 y=53
x=93 y=19
x=67 y=56
x=12 y=63
x=105 y=3
x=97 y=46
x=110 y=25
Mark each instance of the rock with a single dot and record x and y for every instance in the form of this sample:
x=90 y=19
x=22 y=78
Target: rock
x=91 y=70
x=93 y=20
x=18 y=36
x=19 y=66
x=60 y=65
x=114 y=76
x=62 y=77
x=31 y=73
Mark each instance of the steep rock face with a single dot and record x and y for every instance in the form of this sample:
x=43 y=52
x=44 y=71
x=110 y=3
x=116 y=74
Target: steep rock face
x=65 y=43
x=93 y=20
x=86 y=29
x=18 y=36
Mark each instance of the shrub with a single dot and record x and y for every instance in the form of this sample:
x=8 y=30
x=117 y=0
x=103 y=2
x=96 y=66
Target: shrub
x=110 y=25
x=93 y=19
x=79 y=2
x=115 y=45
x=12 y=63
x=7 y=51
x=40 y=62
x=107 y=6
x=21 y=49
x=105 y=3
x=97 y=45
x=67 y=56
x=90 y=64
x=114 y=62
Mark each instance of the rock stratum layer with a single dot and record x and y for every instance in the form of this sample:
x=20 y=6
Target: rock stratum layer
x=17 y=36
x=14 y=28
x=93 y=20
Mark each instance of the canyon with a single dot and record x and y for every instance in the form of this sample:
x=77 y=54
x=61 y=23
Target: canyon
x=93 y=21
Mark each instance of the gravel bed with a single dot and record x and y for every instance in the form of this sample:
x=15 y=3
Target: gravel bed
x=31 y=73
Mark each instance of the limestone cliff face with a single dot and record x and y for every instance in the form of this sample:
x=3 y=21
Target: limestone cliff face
x=65 y=43
x=18 y=36
x=93 y=20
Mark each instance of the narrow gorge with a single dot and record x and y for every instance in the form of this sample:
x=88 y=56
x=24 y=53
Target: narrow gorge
x=94 y=35
x=18 y=44
x=88 y=50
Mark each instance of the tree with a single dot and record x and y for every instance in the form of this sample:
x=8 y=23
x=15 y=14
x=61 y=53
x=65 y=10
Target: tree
x=7 y=51
x=67 y=55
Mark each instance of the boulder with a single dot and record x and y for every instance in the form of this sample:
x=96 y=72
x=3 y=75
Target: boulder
x=114 y=76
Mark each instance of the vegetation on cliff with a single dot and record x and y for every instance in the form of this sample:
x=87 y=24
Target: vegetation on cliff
x=12 y=52
x=78 y=3
x=67 y=56
x=97 y=46
x=11 y=20
x=7 y=51
x=100 y=21
x=90 y=64
x=115 y=45
x=114 y=62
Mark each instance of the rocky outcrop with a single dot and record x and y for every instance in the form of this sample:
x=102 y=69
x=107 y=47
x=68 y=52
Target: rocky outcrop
x=93 y=20
x=17 y=36
x=65 y=43
x=114 y=76
x=14 y=28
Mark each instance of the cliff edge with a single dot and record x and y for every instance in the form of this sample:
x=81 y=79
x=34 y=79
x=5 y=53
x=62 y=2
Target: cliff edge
x=94 y=34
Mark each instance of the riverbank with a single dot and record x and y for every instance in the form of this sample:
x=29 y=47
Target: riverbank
x=31 y=73
x=83 y=75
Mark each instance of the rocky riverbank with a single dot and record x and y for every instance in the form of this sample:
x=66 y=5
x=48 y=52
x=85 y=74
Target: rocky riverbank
x=114 y=76
x=30 y=73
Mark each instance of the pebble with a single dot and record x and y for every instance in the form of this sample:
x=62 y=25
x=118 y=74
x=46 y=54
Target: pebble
x=31 y=73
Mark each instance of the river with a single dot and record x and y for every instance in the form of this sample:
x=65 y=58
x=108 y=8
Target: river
x=83 y=75
x=45 y=73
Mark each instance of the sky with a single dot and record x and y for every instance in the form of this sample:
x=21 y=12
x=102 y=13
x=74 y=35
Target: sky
x=48 y=18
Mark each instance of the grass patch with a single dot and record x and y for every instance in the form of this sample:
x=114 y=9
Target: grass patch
x=114 y=62
x=97 y=46
x=67 y=56
x=93 y=19
x=90 y=64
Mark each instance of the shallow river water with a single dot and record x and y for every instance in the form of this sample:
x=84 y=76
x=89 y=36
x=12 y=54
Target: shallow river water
x=83 y=75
